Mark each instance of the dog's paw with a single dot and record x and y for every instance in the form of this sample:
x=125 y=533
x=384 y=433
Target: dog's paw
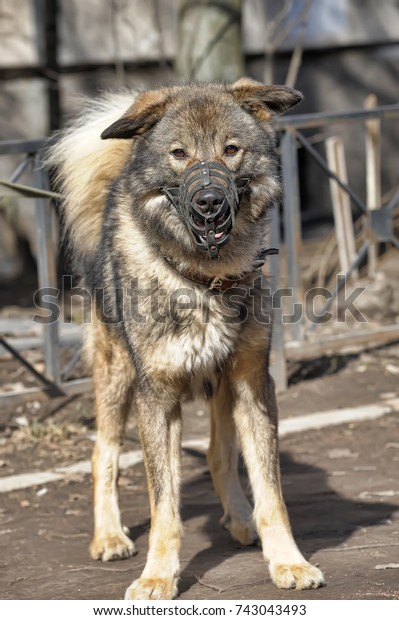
x=112 y=547
x=301 y=576
x=151 y=589
x=242 y=530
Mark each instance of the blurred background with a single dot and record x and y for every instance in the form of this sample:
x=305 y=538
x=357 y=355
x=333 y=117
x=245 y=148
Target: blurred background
x=52 y=52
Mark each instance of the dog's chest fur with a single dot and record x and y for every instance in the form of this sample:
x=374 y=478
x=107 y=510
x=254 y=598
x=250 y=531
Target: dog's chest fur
x=202 y=342
x=184 y=330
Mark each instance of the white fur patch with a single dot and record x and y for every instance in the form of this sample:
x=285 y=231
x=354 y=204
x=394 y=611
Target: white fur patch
x=203 y=343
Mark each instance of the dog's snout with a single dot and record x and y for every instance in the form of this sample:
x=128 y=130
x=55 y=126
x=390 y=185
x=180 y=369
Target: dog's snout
x=209 y=200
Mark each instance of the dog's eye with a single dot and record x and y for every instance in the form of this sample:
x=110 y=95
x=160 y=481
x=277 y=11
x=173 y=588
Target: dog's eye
x=179 y=153
x=231 y=149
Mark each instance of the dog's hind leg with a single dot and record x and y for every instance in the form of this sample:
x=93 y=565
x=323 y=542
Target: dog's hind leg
x=223 y=464
x=113 y=378
x=255 y=414
x=160 y=427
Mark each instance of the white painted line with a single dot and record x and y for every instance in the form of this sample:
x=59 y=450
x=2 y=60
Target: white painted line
x=24 y=481
x=312 y=421
x=335 y=417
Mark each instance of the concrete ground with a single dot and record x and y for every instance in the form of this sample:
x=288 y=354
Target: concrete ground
x=341 y=485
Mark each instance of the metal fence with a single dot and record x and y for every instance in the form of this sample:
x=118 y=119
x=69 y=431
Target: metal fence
x=379 y=226
x=55 y=382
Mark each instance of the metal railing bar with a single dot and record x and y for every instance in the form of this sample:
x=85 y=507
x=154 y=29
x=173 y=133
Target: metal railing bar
x=66 y=371
x=29 y=191
x=11 y=147
x=291 y=220
x=320 y=119
x=55 y=389
x=37 y=342
x=69 y=388
x=323 y=164
x=393 y=202
x=20 y=169
x=296 y=121
x=47 y=271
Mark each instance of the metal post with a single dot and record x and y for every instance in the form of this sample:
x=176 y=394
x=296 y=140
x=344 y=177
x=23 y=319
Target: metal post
x=47 y=271
x=278 y=368
x=292 y=223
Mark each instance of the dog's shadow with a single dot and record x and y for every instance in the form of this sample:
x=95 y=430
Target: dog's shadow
x=321 y=518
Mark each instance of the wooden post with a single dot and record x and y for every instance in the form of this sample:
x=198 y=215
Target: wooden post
x=210 y=41
x=341 y=206
x=373 y=177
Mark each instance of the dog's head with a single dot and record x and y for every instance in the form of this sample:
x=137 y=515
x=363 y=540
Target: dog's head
x=203 y=168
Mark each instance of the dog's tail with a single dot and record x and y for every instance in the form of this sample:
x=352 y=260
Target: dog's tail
x=85 y=167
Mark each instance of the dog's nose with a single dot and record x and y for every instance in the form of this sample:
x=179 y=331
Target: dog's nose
x=208 y=200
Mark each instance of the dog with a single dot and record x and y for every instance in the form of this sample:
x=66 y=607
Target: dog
x=167 y=198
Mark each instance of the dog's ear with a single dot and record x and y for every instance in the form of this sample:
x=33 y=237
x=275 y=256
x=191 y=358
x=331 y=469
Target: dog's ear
x=143 y=114
x=264 y=101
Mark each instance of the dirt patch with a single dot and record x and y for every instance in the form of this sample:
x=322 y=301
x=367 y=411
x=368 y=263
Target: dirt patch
x=343 y=497
x=340 y=484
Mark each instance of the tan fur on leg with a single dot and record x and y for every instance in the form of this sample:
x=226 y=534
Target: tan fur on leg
x=255 y=413
x=113 y=382
x=223 y=463
x=161 y=442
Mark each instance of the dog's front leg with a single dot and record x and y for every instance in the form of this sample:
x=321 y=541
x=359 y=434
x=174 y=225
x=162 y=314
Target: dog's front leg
x=159 y=423
x=255 y=414
x=223 y=464
x=113 y=381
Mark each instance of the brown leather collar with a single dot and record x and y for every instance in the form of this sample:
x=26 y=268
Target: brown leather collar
x=221 y=284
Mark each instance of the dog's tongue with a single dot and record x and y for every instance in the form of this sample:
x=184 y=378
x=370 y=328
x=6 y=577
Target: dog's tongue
x=217 y=235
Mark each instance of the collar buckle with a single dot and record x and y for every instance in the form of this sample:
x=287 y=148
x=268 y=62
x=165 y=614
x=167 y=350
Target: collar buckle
x=216 y=283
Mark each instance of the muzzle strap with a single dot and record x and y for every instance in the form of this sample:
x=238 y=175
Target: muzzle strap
x=206 y=178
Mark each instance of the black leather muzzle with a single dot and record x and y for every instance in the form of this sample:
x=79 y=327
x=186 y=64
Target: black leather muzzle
x=209 y=215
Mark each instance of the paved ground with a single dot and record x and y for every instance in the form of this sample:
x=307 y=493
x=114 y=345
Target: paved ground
x=341 y=485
